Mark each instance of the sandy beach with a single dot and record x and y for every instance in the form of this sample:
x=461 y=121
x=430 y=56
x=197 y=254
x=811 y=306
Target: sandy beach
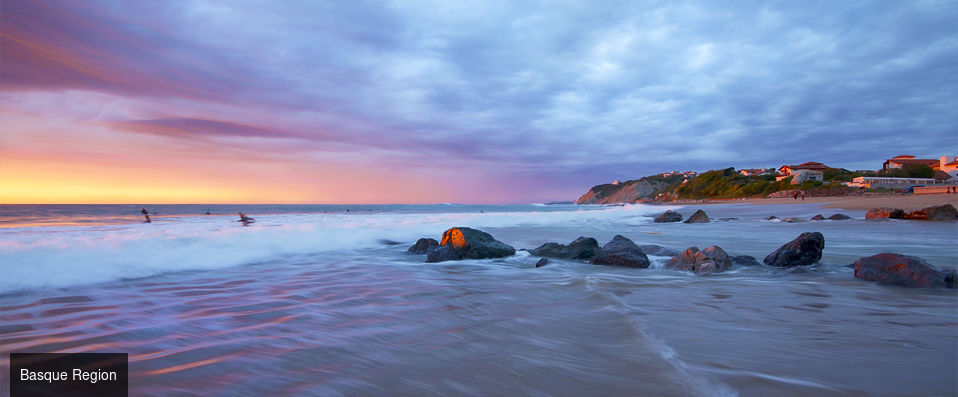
x=905 y=202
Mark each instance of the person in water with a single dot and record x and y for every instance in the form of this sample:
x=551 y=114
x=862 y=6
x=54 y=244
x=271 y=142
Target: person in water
x=143 y=211
x=245 y=219
x=148 y=220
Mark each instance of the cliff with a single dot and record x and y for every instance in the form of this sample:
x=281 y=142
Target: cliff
x=624 y=192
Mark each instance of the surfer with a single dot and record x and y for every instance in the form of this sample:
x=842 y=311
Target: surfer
x=245 y=219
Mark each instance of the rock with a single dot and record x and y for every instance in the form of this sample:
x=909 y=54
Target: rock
x=900 y=270
x=423 y=246
x=804 y=250
x=698 y=217
x=658 y=250
x=710 y=260
x=669 y=216
x=951 y=278
x=467 y=243
x=771 y=218
x=388 y=242
x=881 y=213
x=582 y=248
x=839 y=217
x=621 y=252
x=727 y=219
x=542 y=262
x=745 y=260
x=791 y=220
x=442 y=254
x=945 y=212
x=818 y=217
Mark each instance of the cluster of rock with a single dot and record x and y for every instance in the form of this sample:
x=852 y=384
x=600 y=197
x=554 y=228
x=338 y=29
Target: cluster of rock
x=819 y=217
x=620 y=251
x=672 y=216
x=466 y=243
x=461 y=243
x=945 y=212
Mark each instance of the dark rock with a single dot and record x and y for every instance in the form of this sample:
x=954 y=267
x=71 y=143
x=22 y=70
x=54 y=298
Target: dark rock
x=542 y=262
x=791 y=220
x=900 y=270
x=804 y=250
x=771 y=218
x=468 y=243
x=951 y=278
x=658 y=250
x=698 y=217
x=945 y=212
x=710 y=260
x=388 y=242
x=839 y=217
x=818 y=217
x=423 y=246
x=621 y=252
x=882 y=213
x=745 y=260
x=442 y=254
x=727 y=219
x=582 y=248
x=669 y=216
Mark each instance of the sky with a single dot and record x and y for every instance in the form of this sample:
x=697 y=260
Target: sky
x=455 y=101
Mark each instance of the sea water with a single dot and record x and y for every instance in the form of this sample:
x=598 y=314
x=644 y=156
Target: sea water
x=318 y=300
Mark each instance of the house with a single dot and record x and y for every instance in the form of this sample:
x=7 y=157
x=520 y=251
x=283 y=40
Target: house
x=809 y=165
x=901 y=161
x=754 y=172
x=948 y=165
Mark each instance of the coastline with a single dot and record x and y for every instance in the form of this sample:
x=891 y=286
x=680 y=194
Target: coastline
x=905 y=202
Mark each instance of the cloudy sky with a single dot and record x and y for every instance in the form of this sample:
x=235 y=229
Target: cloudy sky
x=456 y=101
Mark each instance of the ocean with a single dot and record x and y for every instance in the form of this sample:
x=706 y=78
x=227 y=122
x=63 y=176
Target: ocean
x=315 y=300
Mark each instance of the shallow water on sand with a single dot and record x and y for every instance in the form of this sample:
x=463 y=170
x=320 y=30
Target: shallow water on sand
x=369 y=319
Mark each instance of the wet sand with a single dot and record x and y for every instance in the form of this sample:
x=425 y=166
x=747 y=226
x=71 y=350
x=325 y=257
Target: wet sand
x=905 y=202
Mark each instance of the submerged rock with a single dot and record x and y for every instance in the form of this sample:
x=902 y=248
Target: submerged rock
x=804 y=250
x=698 y=217
x=839 y=217
x=658 y=250
x=900 y=270
x=621 y=252
x=818 y=217
x=885 y=213
x=582 y=248
x=727 y=219
x=467 y=243
x=542 y=262
x=423 y=246
x=669 y=216
x=771 y=218
x=745 y=260
x=710 y=260
x=951 y=277
x=791 y=220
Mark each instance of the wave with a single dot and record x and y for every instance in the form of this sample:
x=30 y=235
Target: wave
x=49 y=257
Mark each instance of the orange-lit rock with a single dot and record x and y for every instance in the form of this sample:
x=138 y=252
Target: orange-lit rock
x=467 y=243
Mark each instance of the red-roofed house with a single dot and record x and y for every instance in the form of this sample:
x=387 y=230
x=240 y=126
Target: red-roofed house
x=900 y=161
x=949 y=165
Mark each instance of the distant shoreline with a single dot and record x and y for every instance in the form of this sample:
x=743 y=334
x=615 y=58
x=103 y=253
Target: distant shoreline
x=905 y=202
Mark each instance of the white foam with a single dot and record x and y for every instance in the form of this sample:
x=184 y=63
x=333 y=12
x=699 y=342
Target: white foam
x=43 y=257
